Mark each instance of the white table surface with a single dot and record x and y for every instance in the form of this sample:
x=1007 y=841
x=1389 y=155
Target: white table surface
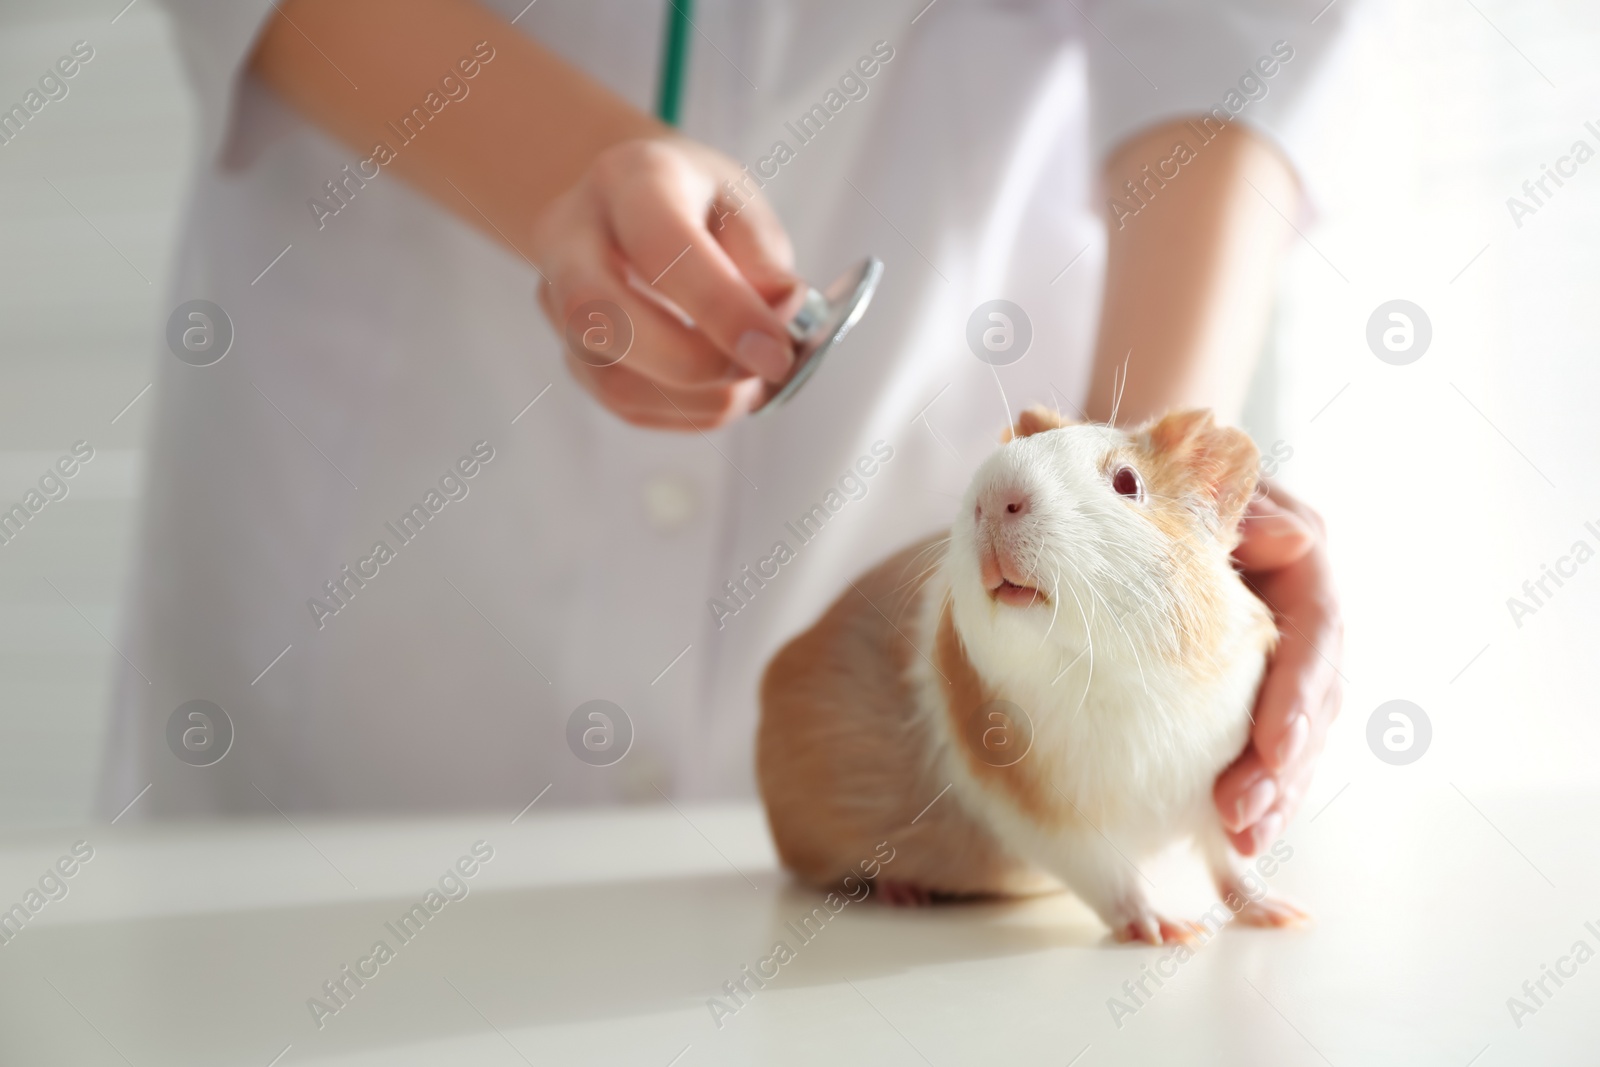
x=597 y=938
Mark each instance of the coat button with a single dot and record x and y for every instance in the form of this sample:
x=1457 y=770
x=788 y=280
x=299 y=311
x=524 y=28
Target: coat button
x=670 y=501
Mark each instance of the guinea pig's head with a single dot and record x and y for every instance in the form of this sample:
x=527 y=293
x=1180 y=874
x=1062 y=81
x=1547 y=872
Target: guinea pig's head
x=1075 y=531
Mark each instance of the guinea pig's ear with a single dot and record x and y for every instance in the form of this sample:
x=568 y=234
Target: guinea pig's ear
x=1219 y=460
x=1036 y=419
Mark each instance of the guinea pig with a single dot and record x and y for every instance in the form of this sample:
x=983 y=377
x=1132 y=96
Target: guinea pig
x=1046 y=695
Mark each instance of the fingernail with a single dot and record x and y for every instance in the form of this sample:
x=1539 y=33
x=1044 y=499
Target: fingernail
x=1268 y=829
x=1294 y=739
x=1255 y=802
x=765 y=354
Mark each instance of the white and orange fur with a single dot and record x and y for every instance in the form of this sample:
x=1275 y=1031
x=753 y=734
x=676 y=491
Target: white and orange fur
x=1114 y=620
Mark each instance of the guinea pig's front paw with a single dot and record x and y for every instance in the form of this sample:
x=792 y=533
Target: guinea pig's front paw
x=1270 y=912
x=1137 y=922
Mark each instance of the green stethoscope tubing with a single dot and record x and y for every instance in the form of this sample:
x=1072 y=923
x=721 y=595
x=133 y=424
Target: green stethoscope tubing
x=674 y=61
x=825 y=317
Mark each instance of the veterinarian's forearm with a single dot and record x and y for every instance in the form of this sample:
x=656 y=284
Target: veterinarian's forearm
x=1191 y=277
x=527 y=128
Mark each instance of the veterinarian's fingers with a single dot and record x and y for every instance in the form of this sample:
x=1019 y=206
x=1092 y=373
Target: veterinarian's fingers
x=1267 y=829
x=1272 y=536
x=1285 y=499
x=749 y=231
x=1245 y=792
x=641 y=402
x=1257 y=803
x=659 y=219
x=585 y=291
x=1292 y=706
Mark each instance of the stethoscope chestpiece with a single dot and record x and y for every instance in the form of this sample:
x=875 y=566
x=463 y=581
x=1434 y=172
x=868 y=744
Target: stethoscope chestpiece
x=825 y=316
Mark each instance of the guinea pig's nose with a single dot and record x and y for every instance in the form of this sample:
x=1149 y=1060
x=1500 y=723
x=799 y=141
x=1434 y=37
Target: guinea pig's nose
x=1005 y=503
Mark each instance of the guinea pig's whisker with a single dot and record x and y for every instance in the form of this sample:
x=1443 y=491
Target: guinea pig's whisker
x=1088 y=637
x=931 y=548
x=1088 y=587
x=1096 y=595
x=1034 y=572
x=932 y=555
x=1088 y=681
x=1133 y=646
x=1055 y=607
x=916 y=580
x=928 y=570
x=1116 y=401
x=1009 y=420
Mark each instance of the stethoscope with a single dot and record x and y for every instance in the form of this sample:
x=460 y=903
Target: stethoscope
x=825 y=315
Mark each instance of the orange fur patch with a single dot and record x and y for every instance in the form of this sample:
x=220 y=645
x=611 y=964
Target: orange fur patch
x=1198 y=478
x=843 y=753
x=1190 y=454
x=968 y=701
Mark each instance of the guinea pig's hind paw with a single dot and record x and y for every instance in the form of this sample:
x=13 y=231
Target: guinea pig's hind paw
x=1269 y=911
x=903 y=894
x=1156 y=930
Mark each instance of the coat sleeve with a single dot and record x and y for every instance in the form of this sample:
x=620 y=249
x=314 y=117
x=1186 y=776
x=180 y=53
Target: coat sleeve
x=215 y=39
x=1265 y=63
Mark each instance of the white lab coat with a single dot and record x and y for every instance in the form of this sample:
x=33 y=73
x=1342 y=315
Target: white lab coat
x=385 y=344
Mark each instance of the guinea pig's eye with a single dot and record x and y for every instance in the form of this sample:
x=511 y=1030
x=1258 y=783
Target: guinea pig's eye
x=1126 y=482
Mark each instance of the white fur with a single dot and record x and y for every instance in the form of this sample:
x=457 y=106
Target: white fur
x=1133 y=741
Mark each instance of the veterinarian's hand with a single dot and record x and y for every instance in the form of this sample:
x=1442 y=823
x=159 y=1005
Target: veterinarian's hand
x=1284 y=557
x=609 y=204
x=647 y=229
